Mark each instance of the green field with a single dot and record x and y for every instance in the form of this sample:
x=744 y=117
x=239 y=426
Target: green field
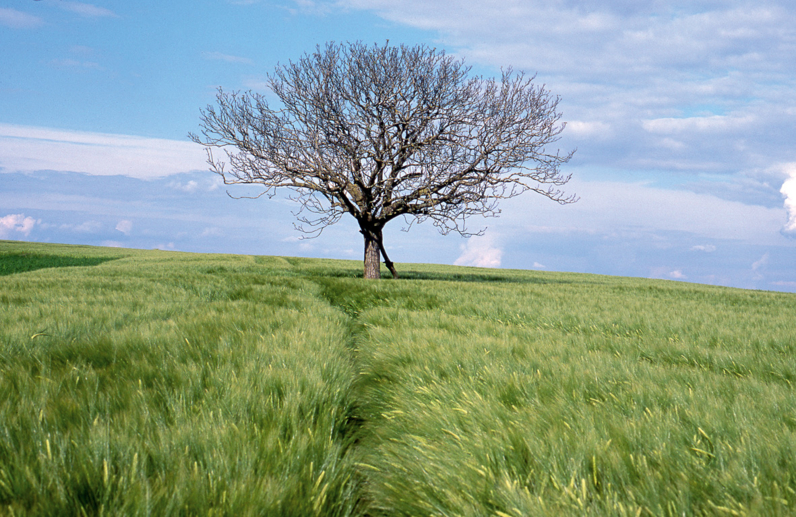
x=161 y=383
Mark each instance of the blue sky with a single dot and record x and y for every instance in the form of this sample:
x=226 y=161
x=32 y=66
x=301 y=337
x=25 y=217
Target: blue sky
x=683 y=115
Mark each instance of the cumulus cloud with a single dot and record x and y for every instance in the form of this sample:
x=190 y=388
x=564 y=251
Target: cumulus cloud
x=26 y=148
x=14 y=224
x=18 y=20
x=788 y=190
x=125 y=226
x=480 y=252
x=677 y=274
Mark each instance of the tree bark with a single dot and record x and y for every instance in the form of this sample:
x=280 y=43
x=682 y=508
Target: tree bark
x=372 y=263
x=387 y=261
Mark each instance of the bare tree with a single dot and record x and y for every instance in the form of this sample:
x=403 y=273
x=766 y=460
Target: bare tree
x=380 y=132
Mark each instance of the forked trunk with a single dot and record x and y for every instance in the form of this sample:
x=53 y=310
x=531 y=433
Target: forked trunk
x=372 y=263
x=374 y=245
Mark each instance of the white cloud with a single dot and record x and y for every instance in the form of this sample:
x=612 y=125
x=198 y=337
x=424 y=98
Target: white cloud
x=317 y=8
x=112 y=244
x=759 y=265
x=699 y=87
x=18 y=20
x=588 y=129
x=125 y=226
x=667 y=272
x=189 y=187
x=87 y=10
x=480 y=252
x=707 y=248
x=538 y=265
x=16 y=223
x=86 y=227
x=761 y=262
x=788 y=190
x=218 y=56
x=211 y=232
x=73 y=63
x=165 y=247
x=711 y=124
x=26 y=148
x=613 y=207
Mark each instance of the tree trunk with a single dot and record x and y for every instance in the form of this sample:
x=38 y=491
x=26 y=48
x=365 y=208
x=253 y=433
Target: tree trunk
x=387 y=261
x=372 y=263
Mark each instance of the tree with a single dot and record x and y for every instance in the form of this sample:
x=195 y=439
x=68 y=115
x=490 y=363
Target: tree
x=380 y=132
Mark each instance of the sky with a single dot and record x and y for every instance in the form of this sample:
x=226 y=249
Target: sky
x=682 y=114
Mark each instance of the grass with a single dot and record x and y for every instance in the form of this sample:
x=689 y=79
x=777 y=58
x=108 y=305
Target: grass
x=160 y=383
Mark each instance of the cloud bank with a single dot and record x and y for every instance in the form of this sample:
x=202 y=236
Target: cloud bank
x=26 y=148
x=679 y=88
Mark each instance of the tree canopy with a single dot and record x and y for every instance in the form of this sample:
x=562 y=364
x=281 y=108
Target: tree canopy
x=380 y=132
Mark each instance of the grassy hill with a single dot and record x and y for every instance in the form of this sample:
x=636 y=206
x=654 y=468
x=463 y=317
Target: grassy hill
x=161 y=383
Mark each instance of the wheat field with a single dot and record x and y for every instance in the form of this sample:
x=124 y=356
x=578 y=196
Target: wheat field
x=161 y=383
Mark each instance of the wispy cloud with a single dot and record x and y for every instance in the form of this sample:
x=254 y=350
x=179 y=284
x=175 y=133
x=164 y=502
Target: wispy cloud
x=707 y=248
x=14 y=224
x=192 y=186
x=313 y=7
x=18 y=19
x=74 y=63
x=25 y=148
x=614 y=207
x=218 y=56
x=211 y=232
x=87 y=10
x=84 y=227
x=759 y=265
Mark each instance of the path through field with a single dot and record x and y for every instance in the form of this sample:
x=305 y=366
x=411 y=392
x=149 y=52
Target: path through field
x=156 y=383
